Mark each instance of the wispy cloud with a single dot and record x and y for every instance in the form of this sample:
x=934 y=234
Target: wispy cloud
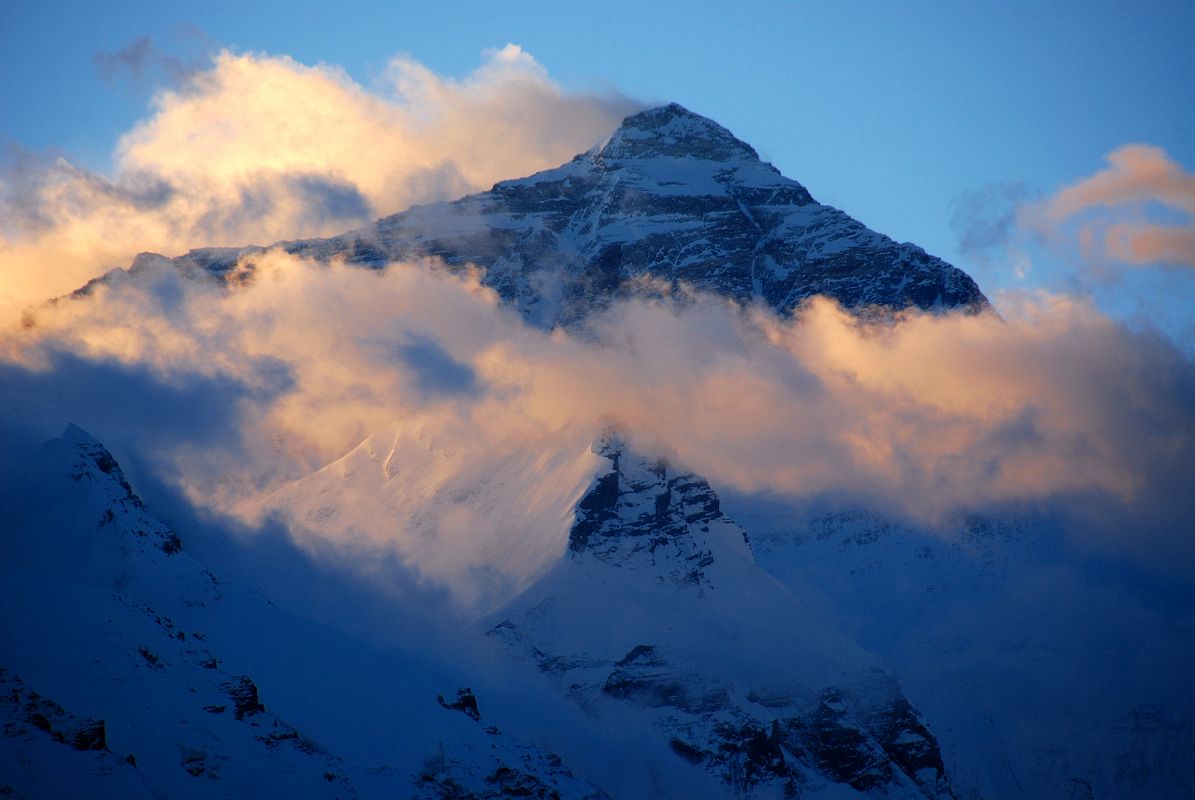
x=1140 y=181
x=145 y=62
x=987 y=222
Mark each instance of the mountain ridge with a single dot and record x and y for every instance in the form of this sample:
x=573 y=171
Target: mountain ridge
x=669 y=199
x=129 y=673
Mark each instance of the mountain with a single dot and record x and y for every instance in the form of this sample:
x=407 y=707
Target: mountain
x=129 y=668
x=670 y=198
x=659 y=610
x=620 y=626
x=816 y=713
x=1043 y=673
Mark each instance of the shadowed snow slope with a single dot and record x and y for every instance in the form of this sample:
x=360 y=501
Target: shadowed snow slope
x=1043 y=673
x=133 y=671
x=659 y=613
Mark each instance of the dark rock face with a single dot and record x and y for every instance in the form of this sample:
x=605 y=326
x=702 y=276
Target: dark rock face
x=870 y=743
x=20 y=704
x=642 y=510
x=465 y=702
x=842 y=749
x=644 y=677
x=749 y=755
x=243 y=693
x=906 y=740
x=671 y=198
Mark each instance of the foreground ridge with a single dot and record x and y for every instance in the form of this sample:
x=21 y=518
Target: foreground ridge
x=661 y=613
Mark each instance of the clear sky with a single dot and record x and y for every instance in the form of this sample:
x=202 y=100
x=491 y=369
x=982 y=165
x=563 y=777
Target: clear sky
x=895 y=112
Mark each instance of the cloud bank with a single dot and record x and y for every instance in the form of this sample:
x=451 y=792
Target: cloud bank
x=260 y=148
x=925 y=415
x=467 y=431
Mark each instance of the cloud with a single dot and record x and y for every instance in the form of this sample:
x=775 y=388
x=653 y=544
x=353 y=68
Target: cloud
x=405 y=416
x=480 y=424
x=143 y=61
x=987 y=224
x=433 y=369
x=1114 y=211
x=258 y=148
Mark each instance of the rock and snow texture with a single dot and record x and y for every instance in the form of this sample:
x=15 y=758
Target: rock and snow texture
x=660 y=614
x=670 y=198
x=1042 y=673
x=128 y=668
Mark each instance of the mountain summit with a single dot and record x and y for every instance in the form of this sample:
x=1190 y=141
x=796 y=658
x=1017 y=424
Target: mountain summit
x=671 y=199
x=673 y=131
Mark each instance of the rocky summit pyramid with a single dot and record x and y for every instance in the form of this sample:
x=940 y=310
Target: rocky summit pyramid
x=670 y=198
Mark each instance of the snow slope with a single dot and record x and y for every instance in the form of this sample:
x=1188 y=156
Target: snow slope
x=1044 y=673
x=659 y=613
x=128 y=668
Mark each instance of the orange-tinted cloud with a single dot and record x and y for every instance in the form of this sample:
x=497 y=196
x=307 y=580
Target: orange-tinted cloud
x=261 y=148
x=481 y=424
x=1138 y=176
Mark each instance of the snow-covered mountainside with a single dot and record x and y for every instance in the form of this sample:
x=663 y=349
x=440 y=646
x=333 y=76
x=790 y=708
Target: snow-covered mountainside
x=129 y=669
x=660 y=613
x=1042 y=673
x=670 y=197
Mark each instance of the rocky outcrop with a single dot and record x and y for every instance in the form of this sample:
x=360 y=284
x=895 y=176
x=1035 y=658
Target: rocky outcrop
x=646 y=513
x=243 y=693
x=465 y=702
x=22 y=706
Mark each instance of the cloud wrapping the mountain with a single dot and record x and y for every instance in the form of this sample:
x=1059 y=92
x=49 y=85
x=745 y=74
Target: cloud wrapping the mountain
x=487 y=420
x=927 y=414
x=260 y=148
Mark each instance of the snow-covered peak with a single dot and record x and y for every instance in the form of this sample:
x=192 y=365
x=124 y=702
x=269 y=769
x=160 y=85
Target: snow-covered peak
x=93 y=461
x=645 y=513
x=670 y=198
x=660 y=614
x=673 y=131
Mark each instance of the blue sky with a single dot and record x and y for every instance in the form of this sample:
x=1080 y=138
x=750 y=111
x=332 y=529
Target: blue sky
x=894 y=112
